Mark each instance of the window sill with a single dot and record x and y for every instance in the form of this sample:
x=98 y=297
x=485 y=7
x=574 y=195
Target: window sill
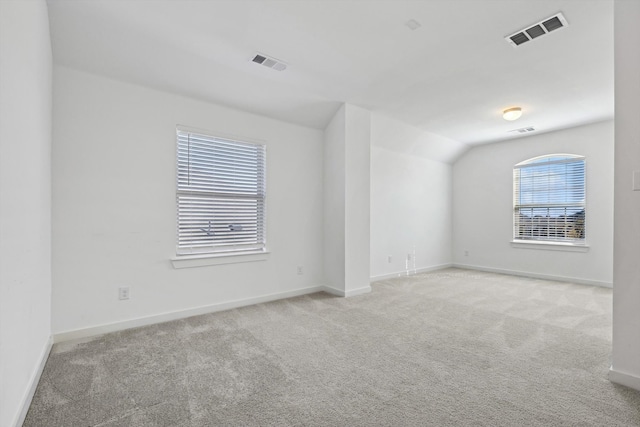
x=203 y=260
x=549 y=246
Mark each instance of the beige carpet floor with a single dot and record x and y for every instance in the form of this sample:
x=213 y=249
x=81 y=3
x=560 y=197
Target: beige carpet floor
x=449 y=348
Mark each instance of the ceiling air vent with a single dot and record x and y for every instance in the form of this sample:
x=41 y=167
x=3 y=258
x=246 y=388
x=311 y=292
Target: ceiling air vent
x=269 y=62
x=523 y=130
x=539 y=29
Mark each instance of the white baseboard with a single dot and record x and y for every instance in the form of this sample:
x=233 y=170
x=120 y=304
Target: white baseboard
x=349 y=293
x=333 y=291
x=624 y=378
x=181 y=314
x=535 y=275
x=359 y=291
x=33 y=383
x=409 y=272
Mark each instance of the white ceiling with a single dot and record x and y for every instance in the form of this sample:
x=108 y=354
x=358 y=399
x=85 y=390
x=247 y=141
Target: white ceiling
x=452 y=76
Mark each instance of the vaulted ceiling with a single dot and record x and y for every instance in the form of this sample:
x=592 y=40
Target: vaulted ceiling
x=451 y=76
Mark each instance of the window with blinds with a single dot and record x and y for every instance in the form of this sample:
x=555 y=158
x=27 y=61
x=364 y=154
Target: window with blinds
x=220 y=195
x=549 y=199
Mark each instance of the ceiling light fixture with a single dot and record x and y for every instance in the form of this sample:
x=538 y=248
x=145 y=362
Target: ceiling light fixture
x=512 y=113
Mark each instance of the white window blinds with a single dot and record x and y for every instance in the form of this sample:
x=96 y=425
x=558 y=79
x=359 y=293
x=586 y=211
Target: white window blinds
x=220 y=194
x=549 y=199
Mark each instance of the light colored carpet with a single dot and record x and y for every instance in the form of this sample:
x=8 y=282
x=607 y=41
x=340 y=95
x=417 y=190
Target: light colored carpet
x=449 y=348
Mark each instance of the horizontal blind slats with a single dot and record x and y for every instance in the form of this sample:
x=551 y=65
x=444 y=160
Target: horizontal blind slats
x=220 y=194
x=199 y=138
x=219 y=156
x=549 y=199
x=193 y=164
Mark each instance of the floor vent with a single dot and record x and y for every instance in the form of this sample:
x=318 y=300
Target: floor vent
x=539 y=29
x=269 y=62
x=523 y=130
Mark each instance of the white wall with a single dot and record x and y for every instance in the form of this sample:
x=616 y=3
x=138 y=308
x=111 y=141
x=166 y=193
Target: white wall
x=483 y=206
x=626 y=290
x=357 y=195
x=334 y=201
x=114 y=211
x=411 y=202
x=399 y=137
x=25 y=202
x=346 y=195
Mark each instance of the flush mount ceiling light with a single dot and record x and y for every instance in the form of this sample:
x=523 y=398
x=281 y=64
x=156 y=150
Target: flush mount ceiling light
x=512 y=113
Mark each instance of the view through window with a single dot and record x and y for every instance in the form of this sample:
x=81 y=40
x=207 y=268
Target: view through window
x=549 y=199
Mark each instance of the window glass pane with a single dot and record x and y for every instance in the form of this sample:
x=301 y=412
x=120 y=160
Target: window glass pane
x=549 y=199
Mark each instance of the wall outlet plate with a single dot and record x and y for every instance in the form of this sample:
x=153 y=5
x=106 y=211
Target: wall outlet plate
x=123 y=292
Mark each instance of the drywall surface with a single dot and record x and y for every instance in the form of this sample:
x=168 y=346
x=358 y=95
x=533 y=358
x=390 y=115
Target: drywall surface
x=357 y=198
x=401 y=138
x=483 y=206
x=346 y=196
x=334 y=201
x=411 y=202
x=114 y=212
x=25 y=202
x=626 y=287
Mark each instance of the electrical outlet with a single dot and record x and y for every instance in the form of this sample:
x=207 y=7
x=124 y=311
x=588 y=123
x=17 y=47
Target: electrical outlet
x=408 y=257
x=123 y=292
x=300 y=270
x=389 y=258
x=466 y=253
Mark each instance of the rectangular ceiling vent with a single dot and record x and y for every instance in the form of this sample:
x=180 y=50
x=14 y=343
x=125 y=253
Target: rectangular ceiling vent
x=523 y=130
x=540 y=29
x=269 y=62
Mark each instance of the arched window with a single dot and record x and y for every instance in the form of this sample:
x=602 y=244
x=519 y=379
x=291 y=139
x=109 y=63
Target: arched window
x=549 y=199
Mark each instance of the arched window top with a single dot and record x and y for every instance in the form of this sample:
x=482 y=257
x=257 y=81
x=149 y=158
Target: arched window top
x=551 y=158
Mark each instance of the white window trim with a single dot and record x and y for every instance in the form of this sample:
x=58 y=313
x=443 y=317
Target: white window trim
x=204 y=260
x=198 y=259
x=550 y=246
x=569 y=246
